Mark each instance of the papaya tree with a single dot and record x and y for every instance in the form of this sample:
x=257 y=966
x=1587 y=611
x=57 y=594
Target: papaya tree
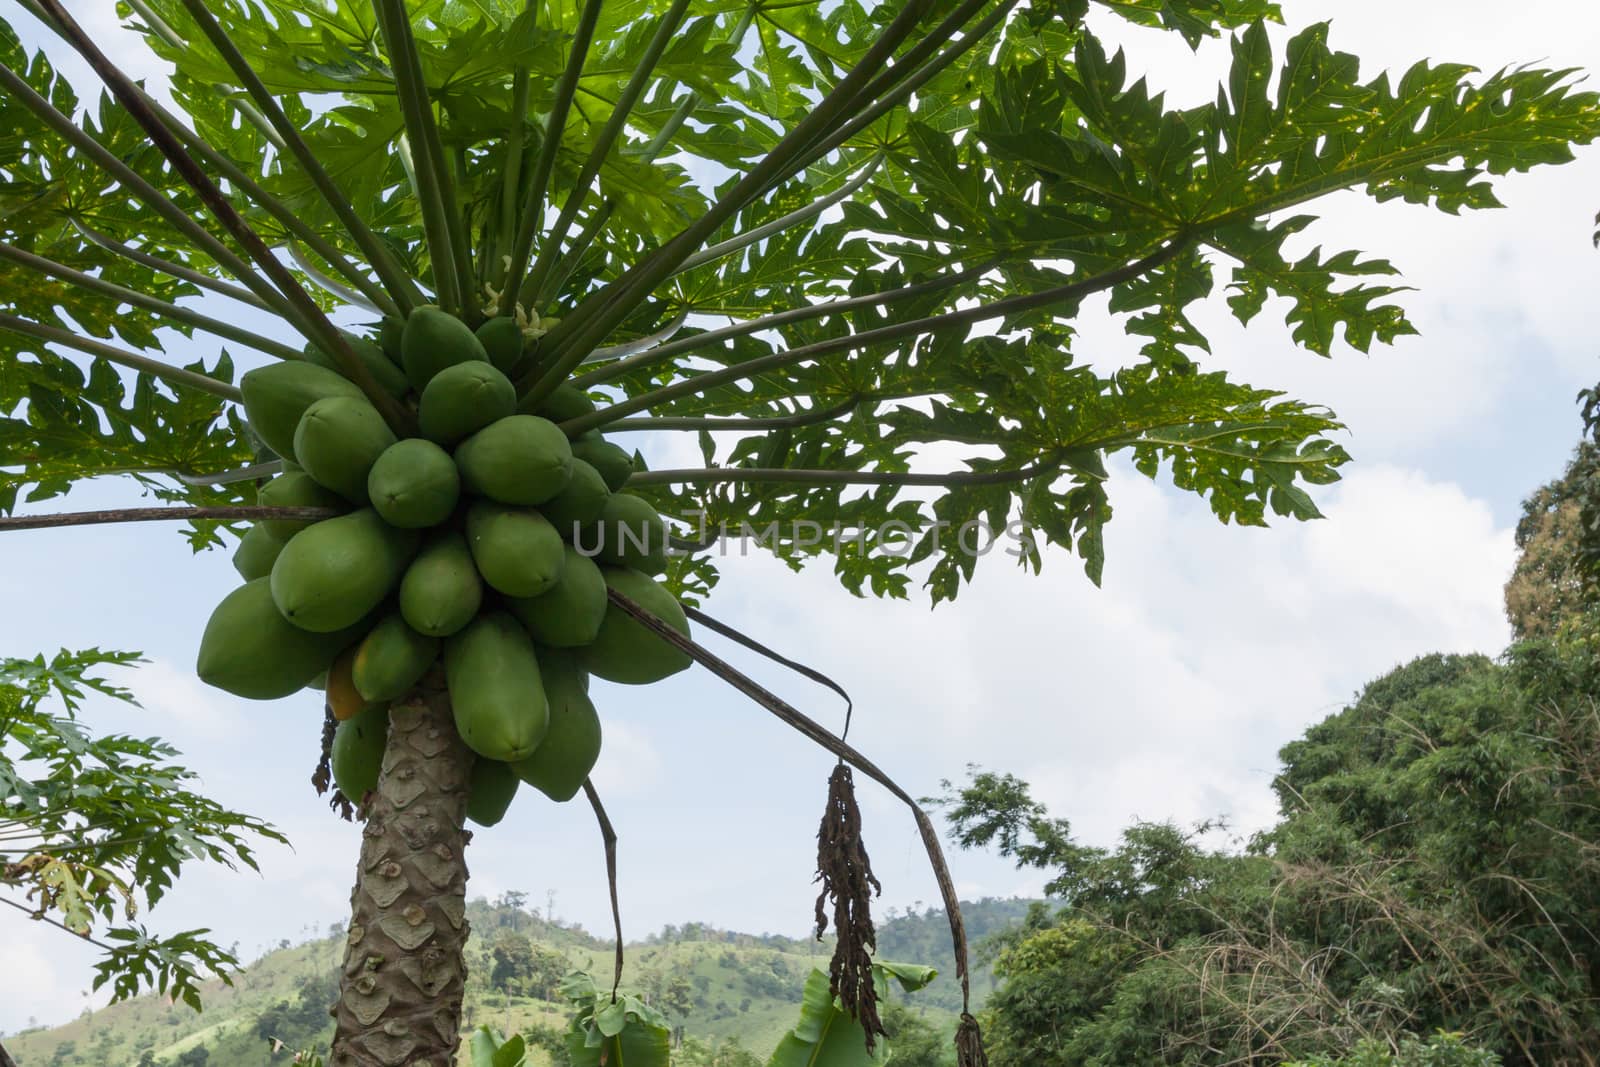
x=462 y=251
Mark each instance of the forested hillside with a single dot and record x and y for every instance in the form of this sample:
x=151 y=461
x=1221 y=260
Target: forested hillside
x=1430 y=895
x=731 y=995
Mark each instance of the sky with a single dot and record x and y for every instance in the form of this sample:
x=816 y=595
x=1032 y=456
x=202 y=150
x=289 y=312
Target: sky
x=1165 y=694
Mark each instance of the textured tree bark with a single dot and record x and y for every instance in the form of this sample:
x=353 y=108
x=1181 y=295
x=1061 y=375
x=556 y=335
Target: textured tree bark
x=404 y=972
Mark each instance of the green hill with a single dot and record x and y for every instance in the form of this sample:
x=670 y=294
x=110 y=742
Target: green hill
x=716 y=985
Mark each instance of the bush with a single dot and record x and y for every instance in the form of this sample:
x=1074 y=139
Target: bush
x=1442 y=1050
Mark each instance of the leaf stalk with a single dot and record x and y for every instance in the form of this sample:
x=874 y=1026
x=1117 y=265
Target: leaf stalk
x=893 y=332
x=189 y=317
x=121 y=357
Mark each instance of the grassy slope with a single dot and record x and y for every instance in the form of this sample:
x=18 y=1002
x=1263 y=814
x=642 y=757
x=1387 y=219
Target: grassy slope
x=740 y=986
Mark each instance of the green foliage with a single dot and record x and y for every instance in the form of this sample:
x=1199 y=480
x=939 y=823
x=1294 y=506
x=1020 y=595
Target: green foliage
x=913 y=1040
x=1441 y=1050
x=743 y=994
x=998 y=185
x=1034 y=161
x=520 y=967
x=94 y=830
x=610 y=1027
x=827 y=1036
x=58 y=422
x=1433 y=869
x=1549 y=593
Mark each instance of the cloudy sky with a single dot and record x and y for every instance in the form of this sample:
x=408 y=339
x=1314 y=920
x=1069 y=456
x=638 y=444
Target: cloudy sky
x=1164 y=694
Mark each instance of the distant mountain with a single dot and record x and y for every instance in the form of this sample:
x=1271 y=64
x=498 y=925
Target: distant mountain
x=716 y=984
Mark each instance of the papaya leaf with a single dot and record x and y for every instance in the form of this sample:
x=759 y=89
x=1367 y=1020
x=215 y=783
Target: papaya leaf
x=610 y=1032
x=1036 y=160
x=826 y=1036
x=99 y=826
x=514 y=1053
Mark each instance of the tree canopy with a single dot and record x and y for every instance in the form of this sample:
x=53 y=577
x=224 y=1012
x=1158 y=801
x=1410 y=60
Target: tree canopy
x=1432 y=870
x=1003 y=168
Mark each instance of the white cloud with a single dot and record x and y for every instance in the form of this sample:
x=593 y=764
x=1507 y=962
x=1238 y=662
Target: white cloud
x=1168 y=692
x=629 y=763
x=173 y=692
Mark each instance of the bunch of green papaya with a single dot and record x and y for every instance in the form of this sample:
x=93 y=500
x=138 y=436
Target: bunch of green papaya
x=486 y=544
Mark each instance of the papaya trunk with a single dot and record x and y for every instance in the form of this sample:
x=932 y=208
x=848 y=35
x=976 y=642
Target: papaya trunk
x=404 y=968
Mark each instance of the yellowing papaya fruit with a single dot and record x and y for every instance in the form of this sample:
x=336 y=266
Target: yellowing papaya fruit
x=357 y=754
x=463 y=399
x=256 y=552
x=569 y=614
x=250 y=650
x=338 y=441
x=517 y=551
x=295 y=489
x=571 y=746
x=432 y=340
x=614 y=463
x=629 y=533
x=391 y=659
x=502 y=339
x=624 y=651
x=275 y=397
x=414 y=484
x=579 y=504
x=390 y=378
x=520 y=459
x=336 y=572
x=441 y=590
x=491 y=788
x=339 y=692
x=496 y=693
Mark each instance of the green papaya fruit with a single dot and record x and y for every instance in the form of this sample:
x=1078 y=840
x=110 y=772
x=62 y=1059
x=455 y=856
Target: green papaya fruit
x=629 y=533
x=390 y=332
x=563 y=760
x=441 y=590
x=250 y=650
x=496 y=692
x=256 y=552
x=521 y=459
x=432 y=340
x=569 y=614
x=391 y=659
x=334 y=573
x=490 y=791
x=337 y=442
x=414 y=484
x=565 y=402
x=624 y=651
x=275 y=397
x=612 y=461
x=390 y=378
x=502 y=339
x=295 y=489
x=463 y=399
x=357 y=753
x=517 y=551
x=580 y=503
